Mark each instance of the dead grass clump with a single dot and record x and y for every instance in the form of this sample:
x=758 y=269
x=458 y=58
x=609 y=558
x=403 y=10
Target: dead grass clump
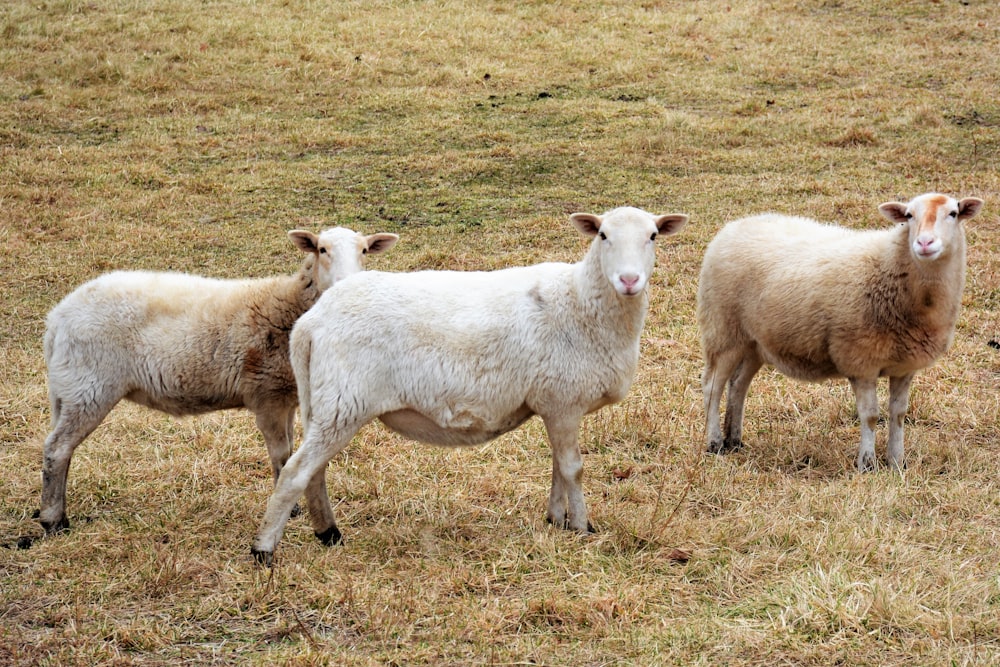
x=855 y=136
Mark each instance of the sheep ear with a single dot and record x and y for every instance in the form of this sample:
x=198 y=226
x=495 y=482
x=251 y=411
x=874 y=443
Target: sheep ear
x=305 y=241
x=380 y=242
x=588 y=223
x=893 y=210
x=969 y=207
x=671 y=223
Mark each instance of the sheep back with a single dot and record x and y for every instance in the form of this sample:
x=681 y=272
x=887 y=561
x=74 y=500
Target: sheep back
x=178 y=343
x=510 y=342
x=822 y=301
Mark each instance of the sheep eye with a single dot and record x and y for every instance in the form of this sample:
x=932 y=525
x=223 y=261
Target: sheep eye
x=909 y=216
x=603 y=237
x=322 y=251
x=652 y=237
x=953 y=214
x=364 y=251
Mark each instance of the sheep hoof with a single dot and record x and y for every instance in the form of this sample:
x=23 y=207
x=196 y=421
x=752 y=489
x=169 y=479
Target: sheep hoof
x=866 y=463
x=564 y=524
x=262 y=558
x=724 y=446
x=53 y=527
x=732 y=445
x=296 y=511
x=330 y=536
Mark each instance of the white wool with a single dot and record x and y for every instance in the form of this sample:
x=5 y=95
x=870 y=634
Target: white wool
x=458 y=358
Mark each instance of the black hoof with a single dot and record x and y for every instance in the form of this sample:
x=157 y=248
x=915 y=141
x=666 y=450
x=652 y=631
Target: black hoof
x=330 y=536
x=25 y=542
x=54 y=527
x=263 y=558
x=296 y=511
x=564 y=524
x=867 y=464
x=725 y=446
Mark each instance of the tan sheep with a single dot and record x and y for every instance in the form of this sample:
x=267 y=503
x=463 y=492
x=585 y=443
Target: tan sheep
x=820 y=301
x=184 y=345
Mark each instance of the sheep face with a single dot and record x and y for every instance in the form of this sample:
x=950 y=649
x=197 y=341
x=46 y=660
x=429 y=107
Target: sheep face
x=934 y=221
x=339 y=252
x=624 y=238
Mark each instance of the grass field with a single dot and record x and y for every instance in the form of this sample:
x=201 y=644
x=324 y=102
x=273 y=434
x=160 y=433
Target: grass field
x=192 y=134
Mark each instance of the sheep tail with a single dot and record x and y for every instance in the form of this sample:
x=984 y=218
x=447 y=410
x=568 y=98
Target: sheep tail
x=55 y=402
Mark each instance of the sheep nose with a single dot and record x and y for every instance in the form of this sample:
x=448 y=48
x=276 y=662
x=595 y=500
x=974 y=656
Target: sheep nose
x=629 y=280
x=925 y=242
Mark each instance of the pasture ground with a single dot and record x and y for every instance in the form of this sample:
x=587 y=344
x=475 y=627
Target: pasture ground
x=191 y=134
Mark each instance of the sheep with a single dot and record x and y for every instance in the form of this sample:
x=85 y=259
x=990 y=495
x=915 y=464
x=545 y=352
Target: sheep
x=459 y=358
x=820 y=301
x=184 y=345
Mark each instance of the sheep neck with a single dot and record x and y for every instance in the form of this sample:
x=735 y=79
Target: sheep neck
x=294 y=295
x=599 y=301
x=935 y=288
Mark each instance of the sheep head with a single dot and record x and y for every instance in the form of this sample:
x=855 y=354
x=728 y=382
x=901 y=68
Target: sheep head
x=624 y=239
x=339 y=252
x=934 y=222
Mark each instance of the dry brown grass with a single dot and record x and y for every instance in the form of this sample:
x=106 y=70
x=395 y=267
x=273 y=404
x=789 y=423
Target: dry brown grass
x=190 y=135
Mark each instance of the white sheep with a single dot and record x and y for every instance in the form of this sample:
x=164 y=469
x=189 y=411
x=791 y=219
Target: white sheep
x=184 y=345
x=459 y=358
x=820 y=301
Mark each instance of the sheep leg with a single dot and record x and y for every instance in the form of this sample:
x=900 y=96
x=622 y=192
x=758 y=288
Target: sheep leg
x=736 y=396
x=567 y=508
x=274 y=426
x=320 y=512
x=718 y=369
x=277 y=426
x=71 y=425
x=899 y=400
x=867 y=403
x=318 y=447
